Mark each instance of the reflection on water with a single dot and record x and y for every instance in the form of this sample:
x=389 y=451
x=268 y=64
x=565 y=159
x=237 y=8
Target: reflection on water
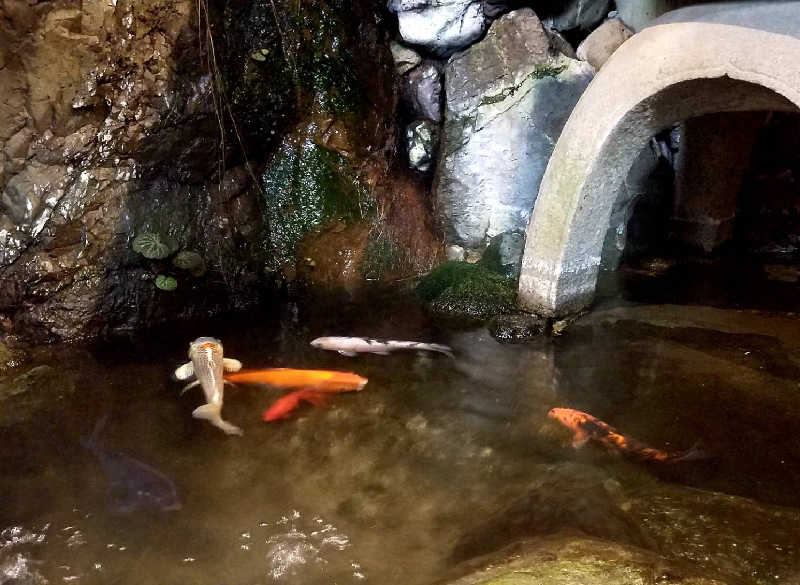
x=434 y=462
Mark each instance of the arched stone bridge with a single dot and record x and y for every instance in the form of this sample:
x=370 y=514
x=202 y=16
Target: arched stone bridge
x=694 y=61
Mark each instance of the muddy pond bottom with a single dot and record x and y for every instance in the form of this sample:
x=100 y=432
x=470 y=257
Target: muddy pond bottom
x=436 y=462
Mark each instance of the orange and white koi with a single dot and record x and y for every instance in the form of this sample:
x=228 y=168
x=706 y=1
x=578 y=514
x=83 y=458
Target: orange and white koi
x=207 y=365
x=286 y=404
x=585 y=427
x=317 y=380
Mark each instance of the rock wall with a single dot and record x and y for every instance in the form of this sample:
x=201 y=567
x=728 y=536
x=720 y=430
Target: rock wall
x=162 y=164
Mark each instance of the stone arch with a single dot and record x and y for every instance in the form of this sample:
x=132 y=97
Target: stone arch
x=672 y=71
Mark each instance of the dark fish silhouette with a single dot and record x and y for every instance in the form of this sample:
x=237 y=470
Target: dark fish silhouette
x=132 y=485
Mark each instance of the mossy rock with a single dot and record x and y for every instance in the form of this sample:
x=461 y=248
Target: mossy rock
x=463 y=290
x=153 y=246
x=166 y=283
x=190 y=261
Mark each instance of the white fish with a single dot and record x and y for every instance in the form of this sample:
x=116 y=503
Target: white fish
x=351 y=346
x=207 y=365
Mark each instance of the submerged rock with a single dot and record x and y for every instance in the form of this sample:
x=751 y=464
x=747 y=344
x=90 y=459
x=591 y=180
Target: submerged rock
x=439 y=26
x=507 y=99
x=516 y=327
x=581 y=561
x=39 y=389
x=422 y=138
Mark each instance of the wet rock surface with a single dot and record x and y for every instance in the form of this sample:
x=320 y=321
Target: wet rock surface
x=422 y=90
x=422 y=138
x=507 y=99
x=582 y=14
x=116 y=121
x=516 y=327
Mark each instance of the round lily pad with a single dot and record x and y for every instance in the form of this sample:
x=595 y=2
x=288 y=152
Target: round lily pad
x=152 y=246
x=167 y=283
x=190 y=261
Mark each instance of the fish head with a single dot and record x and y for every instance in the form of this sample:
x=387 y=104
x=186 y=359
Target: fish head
x=572 y=419
x=319 y=342
x=202 y=344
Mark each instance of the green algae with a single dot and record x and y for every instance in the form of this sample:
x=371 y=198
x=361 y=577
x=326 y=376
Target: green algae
x=382 y=257
x=470 y=291
x=307 y=186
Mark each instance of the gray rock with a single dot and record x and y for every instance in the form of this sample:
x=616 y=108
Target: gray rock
x=422 y=90
x=504 y=254
x=581 y=14
x=516 y=327
x=507 y=99
x=455 y=253
x=604 y=40
x=405 y=59
x=440 y=26
x=421 y=139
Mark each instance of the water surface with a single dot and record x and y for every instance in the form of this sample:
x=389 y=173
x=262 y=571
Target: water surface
x=437 y=460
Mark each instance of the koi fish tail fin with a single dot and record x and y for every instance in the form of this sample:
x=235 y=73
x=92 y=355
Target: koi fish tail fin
x=698 y=452
x=445 y=349
x=317 y=398
x=212 y=413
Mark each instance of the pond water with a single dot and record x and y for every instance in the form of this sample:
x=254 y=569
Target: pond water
x=437 y=460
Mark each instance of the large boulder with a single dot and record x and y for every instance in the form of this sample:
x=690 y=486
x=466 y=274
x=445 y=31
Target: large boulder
x=440 y=26
x=507 y=99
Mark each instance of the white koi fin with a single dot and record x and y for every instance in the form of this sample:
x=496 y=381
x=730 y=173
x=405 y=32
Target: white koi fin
x=231 y=365
x=190 y=386
x=580 y=439
x=185 y=372
x=348 y=353
x=211 y=413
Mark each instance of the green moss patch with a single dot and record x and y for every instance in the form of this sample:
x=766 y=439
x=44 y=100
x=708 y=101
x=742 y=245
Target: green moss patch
x=307 y=186
x=463 y=290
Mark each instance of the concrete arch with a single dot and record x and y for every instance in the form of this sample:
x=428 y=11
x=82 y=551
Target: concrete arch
x=694 y=61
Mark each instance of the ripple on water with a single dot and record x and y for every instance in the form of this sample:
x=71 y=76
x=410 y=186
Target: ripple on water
x=311 y=548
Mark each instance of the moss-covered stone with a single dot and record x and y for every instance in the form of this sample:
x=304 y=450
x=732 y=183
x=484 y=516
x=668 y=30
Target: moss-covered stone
x=39 y=389
x=307 y=186
x=463 y=290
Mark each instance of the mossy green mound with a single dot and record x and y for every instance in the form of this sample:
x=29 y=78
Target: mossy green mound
x=463 y=290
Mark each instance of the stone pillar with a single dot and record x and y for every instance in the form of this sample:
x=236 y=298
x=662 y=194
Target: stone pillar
x=712 y=159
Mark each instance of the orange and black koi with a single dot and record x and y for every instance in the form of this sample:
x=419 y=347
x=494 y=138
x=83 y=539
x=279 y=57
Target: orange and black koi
x=586 y=427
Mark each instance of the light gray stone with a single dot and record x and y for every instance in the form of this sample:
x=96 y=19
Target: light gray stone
x=581 y=14
x=602 y=42
x=507 y=99
x=421 y=139
x=422 y=90
x=440 y=26
x=719 y=65
x=405 y=59
x=455 y=253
